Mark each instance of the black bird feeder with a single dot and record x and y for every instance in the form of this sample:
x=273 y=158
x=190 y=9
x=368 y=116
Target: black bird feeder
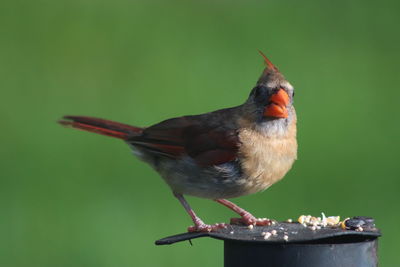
x=293 y=244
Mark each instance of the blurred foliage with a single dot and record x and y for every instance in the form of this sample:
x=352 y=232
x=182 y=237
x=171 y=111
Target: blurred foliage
x=69 y=198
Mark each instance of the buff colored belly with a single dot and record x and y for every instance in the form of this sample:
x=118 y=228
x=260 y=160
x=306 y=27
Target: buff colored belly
x=265 y=160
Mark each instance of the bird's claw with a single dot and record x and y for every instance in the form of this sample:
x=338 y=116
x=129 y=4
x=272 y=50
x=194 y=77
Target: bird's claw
x=207 y=227
x=251 y=220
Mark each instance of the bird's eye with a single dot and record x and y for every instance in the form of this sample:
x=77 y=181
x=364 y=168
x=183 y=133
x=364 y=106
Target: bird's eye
x=260 y=93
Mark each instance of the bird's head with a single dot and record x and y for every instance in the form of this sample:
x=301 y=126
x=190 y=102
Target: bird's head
x=272 y=97
x=269 y=107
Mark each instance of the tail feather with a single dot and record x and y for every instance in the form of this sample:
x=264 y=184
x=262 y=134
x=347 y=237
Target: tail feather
x=101 y=126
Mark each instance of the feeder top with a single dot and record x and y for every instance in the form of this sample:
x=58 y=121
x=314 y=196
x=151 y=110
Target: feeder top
x=282 y=232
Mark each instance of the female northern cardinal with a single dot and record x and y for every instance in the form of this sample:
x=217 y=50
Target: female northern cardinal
x=222 y=154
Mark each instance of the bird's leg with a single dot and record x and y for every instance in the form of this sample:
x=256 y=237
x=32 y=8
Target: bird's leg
x=246 y=217
x=199 y=225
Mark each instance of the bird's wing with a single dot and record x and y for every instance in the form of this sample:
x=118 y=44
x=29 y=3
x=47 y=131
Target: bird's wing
x=205 y=140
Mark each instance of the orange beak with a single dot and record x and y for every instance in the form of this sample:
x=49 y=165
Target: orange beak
x=278 y=106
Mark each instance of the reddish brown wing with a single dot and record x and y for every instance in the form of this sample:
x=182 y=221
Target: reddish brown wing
x=207 y=143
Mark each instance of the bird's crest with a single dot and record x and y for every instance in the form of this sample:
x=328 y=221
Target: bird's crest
x=270 y=65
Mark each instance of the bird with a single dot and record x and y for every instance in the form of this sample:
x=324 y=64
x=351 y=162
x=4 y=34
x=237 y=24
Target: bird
x=217 y=155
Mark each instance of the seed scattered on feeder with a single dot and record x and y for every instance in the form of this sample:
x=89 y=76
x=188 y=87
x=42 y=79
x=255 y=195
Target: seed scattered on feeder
x=319 y=222
x=274 y=232
x=301 y=219
x=333 y=220
x=267 y=235
x=285 y=237
x=343 y=223
x=250 y=226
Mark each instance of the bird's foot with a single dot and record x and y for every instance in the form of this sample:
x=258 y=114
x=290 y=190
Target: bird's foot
x=246 y=217
x=202 y=227
x=251 y=220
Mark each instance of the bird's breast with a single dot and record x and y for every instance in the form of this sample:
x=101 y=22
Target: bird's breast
x=265 y=159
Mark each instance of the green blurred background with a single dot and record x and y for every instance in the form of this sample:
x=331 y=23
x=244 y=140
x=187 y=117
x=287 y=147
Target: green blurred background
x=69 y=198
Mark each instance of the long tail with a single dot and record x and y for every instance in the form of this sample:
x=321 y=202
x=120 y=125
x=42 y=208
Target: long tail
x=101 y=126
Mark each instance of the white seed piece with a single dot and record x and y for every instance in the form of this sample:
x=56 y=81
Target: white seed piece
x=359 y=229
x=289 y=220
x=231 y=232
x=323 y=220
x=267 y=235
x=313 y=227
x=314 y=220
x=274 y=232
x=285 y=237
x=250 y=226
